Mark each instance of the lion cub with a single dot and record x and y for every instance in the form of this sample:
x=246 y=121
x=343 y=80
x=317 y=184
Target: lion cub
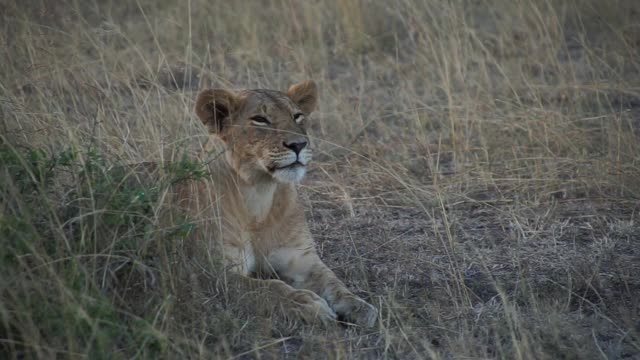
x=260 y=226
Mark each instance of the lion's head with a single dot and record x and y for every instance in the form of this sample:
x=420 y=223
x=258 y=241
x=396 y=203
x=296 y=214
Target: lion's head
x=263 y=131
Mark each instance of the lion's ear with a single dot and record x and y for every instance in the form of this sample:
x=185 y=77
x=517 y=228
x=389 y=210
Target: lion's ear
x=214 y=107
x=305 y=95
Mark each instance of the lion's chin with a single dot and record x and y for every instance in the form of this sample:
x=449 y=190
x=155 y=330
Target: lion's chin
x=290 y=174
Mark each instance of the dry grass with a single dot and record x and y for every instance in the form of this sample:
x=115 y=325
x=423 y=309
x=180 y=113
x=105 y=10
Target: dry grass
x=476 y=175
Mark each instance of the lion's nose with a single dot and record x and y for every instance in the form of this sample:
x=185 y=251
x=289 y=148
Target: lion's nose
x=296 y=146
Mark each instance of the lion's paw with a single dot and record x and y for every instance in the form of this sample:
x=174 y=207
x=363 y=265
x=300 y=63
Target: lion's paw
x=312 y=308
x=358 y=311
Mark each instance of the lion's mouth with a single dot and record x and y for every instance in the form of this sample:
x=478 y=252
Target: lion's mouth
x=293 y=165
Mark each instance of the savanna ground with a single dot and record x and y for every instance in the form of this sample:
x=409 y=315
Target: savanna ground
x=476 y=175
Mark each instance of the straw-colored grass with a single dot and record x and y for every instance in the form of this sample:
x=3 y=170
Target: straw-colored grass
x=476 y=175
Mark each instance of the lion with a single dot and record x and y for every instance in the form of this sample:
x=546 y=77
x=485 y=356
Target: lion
x=260 y=227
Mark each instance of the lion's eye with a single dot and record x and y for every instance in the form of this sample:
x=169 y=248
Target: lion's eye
x=260 y=120
x=298 y=118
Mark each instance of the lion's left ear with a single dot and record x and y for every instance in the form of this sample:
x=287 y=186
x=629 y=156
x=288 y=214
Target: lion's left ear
x=305 y=95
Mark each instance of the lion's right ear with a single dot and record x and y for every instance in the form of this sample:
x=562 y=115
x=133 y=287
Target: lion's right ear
x=214 y=107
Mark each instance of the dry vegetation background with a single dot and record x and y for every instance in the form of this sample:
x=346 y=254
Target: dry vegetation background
x=476 y=175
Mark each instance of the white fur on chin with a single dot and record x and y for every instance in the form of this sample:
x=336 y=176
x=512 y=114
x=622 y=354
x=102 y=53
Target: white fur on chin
x=290 y=175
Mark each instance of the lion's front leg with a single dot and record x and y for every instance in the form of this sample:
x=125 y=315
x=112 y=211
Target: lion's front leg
x=272 y=294
x=303 y=269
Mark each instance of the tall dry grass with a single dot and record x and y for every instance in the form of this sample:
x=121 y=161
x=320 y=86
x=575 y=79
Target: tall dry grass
x=476 y=175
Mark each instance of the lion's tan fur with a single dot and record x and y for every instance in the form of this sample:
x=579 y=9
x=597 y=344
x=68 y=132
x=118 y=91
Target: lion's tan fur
x=252 y=215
